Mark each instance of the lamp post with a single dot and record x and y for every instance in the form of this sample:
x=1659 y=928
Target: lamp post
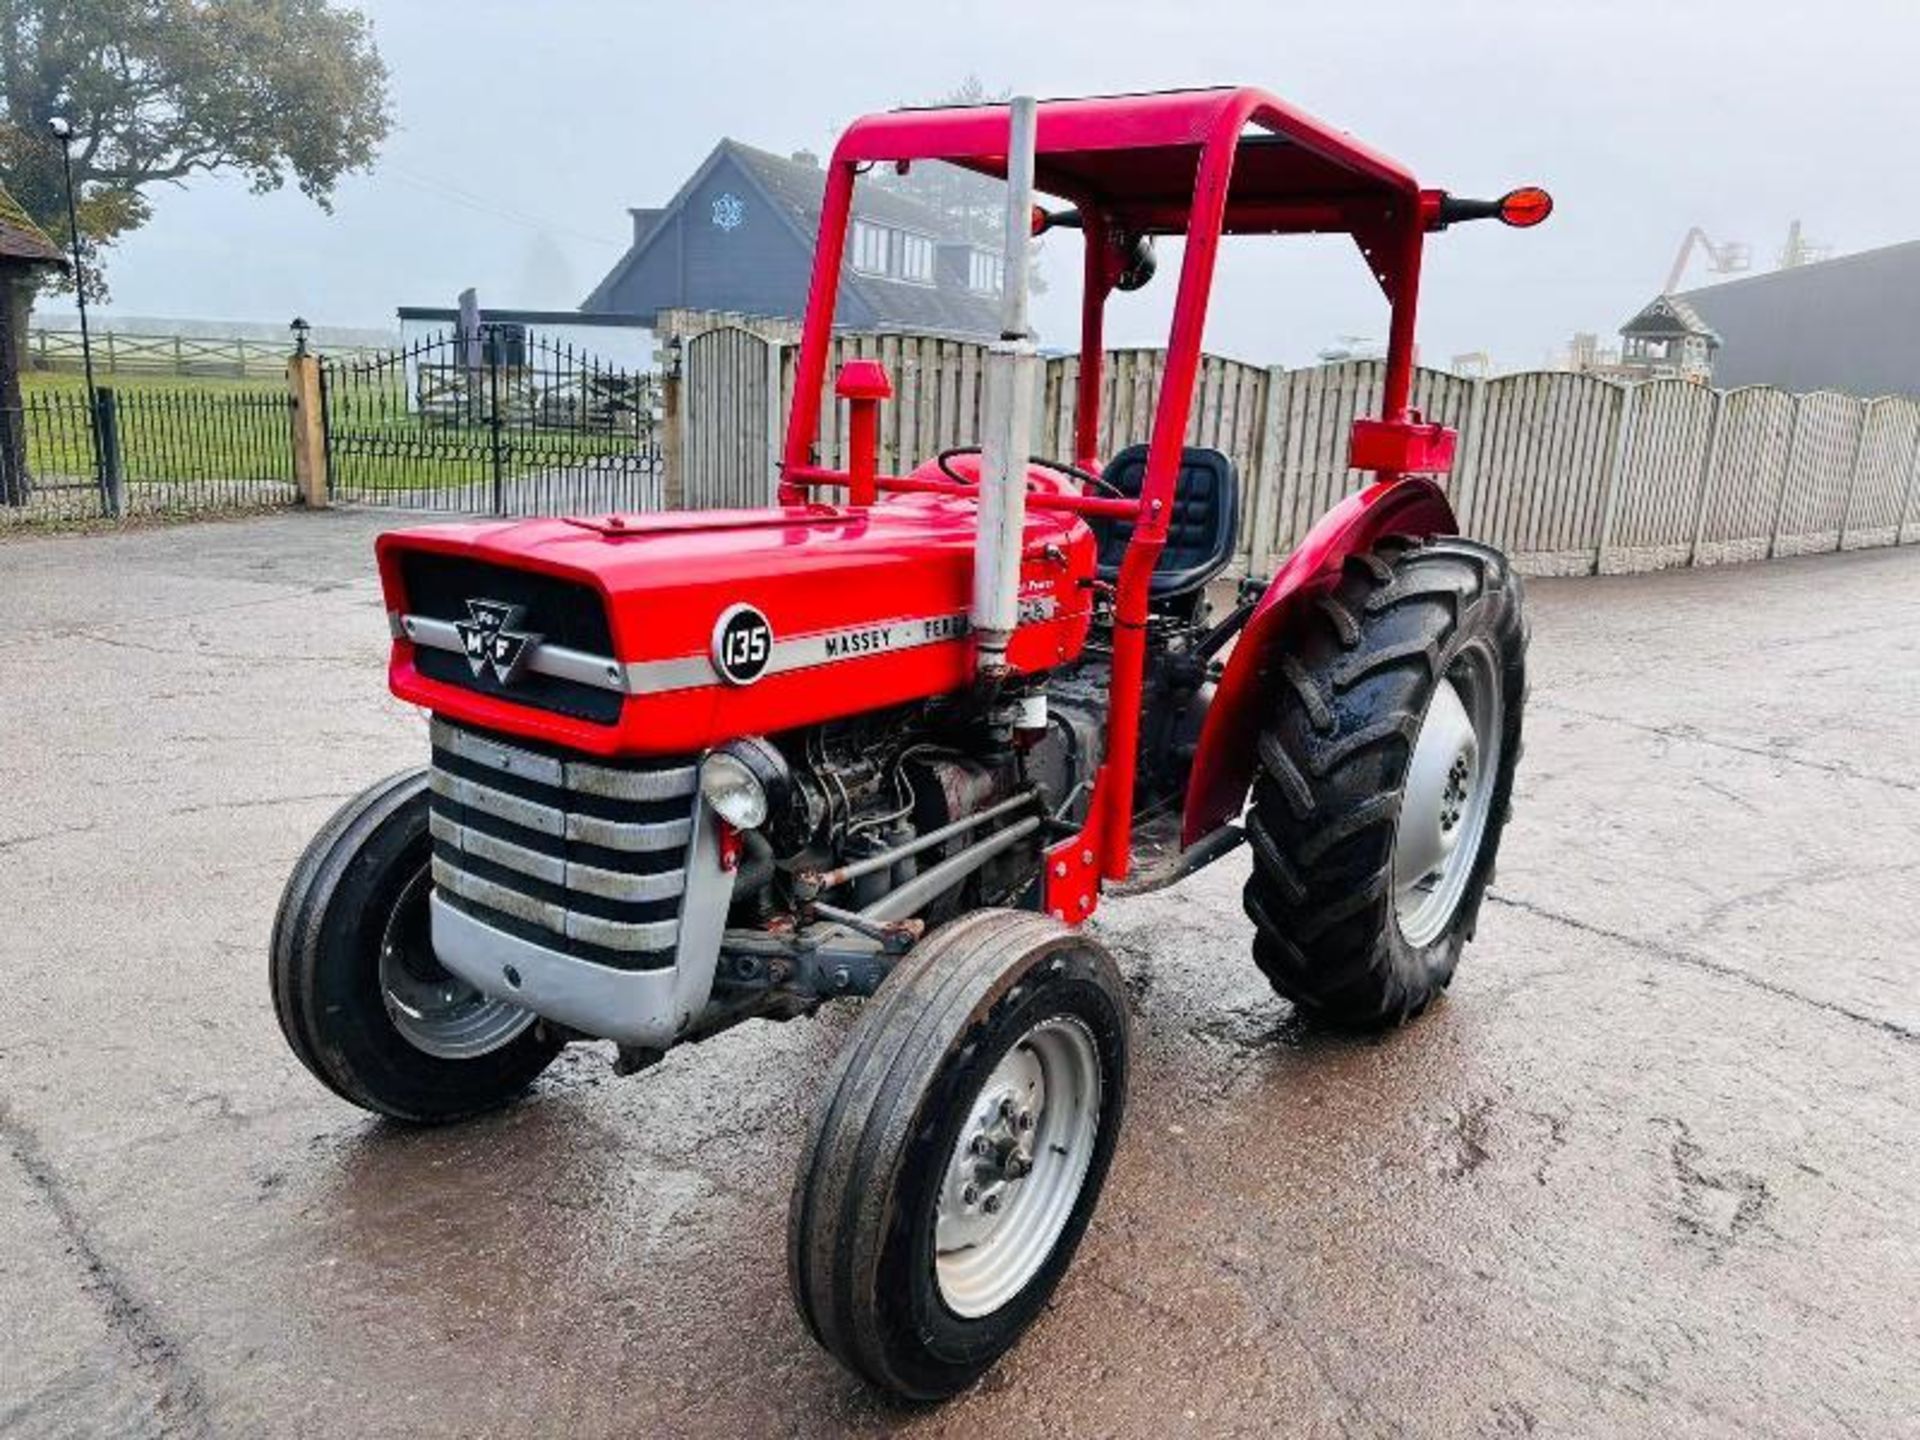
x=63 y=132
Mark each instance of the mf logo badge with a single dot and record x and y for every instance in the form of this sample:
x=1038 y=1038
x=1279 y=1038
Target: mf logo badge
x=742 y=644
x=492 y=644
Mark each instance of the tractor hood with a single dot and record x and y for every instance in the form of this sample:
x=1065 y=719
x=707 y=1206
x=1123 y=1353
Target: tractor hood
x=669 y=633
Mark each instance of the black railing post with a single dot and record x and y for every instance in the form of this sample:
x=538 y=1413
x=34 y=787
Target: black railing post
x=13 y=456
x=496 y=441
x=106 y=433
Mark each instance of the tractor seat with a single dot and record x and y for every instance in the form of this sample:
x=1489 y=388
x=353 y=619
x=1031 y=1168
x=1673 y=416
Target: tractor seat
x=1200 y=533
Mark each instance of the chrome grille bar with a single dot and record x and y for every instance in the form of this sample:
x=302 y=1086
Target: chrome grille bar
x=614 y=934
x=589 y=879
x=505 y=821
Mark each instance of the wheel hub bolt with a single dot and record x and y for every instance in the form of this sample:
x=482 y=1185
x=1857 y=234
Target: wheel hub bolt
x=1018 y=1167
x=982 y=1146
x=1025 y=1122
x=991 y=1204
x=971 y=1195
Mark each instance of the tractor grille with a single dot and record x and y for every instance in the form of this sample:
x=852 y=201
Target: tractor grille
x=562 y=612
x=587 y=859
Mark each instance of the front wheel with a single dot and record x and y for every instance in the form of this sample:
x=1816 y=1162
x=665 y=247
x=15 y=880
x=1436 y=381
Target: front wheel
x=958 y=1151
x=1385 y=777
x=361 y=999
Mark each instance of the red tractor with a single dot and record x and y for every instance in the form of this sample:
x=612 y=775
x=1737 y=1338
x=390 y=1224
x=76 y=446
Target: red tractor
x=894 y=735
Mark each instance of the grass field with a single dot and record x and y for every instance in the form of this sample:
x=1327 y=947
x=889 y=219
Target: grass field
x=207 y=437
x=60 y=382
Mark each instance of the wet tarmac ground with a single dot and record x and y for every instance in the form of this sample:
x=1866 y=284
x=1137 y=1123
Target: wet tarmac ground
x=1653 y=1168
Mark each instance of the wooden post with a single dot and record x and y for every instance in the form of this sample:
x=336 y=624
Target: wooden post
x=1465 y=479
x=1853 y=475
x=1269 y=476
x=776 y=429
x=309 y=431
x=1708 y=464
x=1913 y=486
x=1786 y=480
x=1616 y=466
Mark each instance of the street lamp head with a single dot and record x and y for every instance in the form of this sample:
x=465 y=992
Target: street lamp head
x=301 y=329
x=60 y=129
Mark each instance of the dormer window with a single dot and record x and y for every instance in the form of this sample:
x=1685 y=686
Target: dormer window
x=986 y=272
x=870 y=248
x=916 y=259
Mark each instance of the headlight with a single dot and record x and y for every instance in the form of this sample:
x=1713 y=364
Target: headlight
x=734 y=792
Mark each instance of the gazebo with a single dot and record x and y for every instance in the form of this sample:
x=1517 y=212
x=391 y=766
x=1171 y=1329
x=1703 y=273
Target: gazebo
x=25 y=253
x=1668 y=339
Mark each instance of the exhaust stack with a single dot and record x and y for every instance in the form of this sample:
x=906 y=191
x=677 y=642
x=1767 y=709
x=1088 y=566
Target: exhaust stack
x=1009 y=419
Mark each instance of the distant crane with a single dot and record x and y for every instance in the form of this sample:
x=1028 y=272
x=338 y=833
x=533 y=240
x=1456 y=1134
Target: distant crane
x=1801 y=251
x=1728 y=259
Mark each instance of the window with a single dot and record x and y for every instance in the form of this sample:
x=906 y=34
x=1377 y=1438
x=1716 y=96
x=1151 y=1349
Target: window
x=869 y=248
x=986 y=272
x=916 y=259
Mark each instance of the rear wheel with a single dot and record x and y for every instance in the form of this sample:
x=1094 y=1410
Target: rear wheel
x=362 y=1000
x=1385 y=779
x=959 y=1150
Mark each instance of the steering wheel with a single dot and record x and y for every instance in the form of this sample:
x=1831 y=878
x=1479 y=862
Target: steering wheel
x=1059 y=467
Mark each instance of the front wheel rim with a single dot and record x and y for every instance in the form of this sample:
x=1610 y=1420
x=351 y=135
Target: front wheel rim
x=434 y=1010
x=1018 y=1167
x=1447 y=797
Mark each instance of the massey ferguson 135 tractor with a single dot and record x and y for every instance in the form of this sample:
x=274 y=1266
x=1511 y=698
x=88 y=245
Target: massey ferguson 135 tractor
x=894 y=735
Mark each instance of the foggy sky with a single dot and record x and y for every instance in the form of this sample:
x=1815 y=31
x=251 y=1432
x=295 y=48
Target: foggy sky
x=526 y=127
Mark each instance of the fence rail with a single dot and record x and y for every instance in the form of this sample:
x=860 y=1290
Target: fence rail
x=179 y=356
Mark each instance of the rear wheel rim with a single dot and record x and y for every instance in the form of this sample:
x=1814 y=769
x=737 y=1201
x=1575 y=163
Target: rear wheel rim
x=1447 y=797
x=1018 y=1167
x=434 y=1010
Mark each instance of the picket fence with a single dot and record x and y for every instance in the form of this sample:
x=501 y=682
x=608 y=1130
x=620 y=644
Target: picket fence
x=1569 y=473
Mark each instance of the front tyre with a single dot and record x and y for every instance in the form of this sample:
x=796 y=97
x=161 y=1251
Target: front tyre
x=361 y=999
x=1385 y=779
x=958 y=1151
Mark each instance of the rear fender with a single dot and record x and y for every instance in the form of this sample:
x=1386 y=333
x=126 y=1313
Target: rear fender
x=1224 y=763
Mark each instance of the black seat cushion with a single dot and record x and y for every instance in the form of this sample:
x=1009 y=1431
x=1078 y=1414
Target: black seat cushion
x=1201 y=531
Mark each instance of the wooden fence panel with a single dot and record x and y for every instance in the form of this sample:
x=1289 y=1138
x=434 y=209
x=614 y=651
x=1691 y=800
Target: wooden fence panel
x=1750 y=466
x=1660 y=481
x=731 y=421
x=1879 y=485
x=1826 y=436
x=1541 y=461
x=1564 y=471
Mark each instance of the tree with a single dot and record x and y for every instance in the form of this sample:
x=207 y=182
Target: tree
x=158 y=91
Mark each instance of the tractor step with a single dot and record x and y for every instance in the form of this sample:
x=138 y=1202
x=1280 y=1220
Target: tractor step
x=1158 y=860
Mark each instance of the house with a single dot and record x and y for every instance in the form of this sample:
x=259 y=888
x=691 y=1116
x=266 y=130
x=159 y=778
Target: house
x=26 y=253
x=1850 y=325
x=1668 y=339
x=738 y=236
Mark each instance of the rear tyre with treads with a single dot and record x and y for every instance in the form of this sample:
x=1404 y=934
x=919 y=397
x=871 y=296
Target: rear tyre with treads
x=1385 y=779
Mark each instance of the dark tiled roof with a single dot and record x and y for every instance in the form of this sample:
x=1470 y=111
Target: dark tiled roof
x=1669 y=315
x=20 y=238
x=799 y=187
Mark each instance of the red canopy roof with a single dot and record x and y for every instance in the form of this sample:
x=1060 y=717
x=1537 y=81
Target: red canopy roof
x=1134 y=156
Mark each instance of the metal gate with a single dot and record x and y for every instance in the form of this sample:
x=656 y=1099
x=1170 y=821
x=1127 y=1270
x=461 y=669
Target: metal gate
x=502 y=421
x=730 y=416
